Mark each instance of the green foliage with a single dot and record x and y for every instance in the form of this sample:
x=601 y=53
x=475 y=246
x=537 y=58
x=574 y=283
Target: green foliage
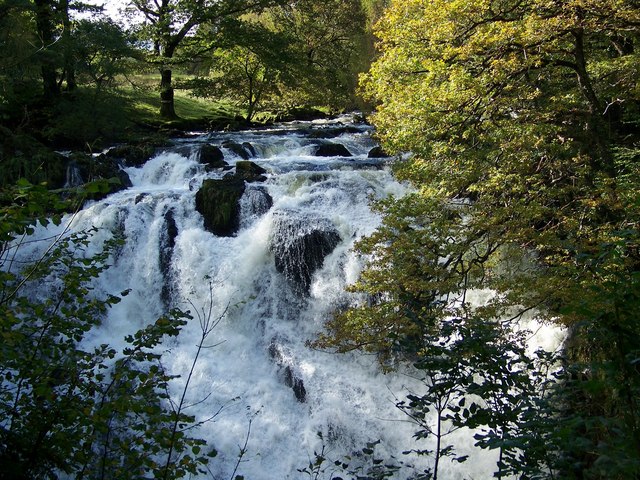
x=101 y=49
x=328 y=41
x=362 y=464
x=19 y=85
x=521 y=119
x=66 y=409
x=249 y=73
x=294 y=54
x=187 y=29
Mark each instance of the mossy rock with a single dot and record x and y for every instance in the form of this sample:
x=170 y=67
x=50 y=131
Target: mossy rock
x=249 y=171
x=218 y=201
x=211 y=156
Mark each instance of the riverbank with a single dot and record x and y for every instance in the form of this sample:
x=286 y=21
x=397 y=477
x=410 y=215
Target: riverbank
x=86 y=123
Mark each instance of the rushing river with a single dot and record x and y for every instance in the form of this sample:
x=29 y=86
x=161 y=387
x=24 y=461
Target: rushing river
x=261 y=372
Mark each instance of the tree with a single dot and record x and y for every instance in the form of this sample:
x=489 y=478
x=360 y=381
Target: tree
x=329 y=41
x=40 y=52
x=171 y=24
x=102 y=49
x=251 y=72
x=19 y=74
x=521 y=117
x=66 y=409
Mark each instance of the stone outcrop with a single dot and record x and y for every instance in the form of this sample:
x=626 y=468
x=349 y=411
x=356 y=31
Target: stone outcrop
x=300 y=246
x=218 y=200
x=211 y=156
x=332 y=150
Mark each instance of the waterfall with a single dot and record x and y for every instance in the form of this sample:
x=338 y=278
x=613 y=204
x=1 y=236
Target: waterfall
x=278 y=277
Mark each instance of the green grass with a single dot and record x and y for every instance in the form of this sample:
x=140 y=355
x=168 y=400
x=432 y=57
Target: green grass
x=144 y=105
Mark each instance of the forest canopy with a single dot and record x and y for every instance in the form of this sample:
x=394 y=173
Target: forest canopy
x=521 y=119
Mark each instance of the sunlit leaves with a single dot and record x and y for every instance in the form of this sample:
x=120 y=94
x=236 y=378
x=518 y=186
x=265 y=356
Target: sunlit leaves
x=519 y=120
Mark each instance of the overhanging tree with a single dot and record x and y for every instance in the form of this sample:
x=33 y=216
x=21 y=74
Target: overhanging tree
x=521 y=116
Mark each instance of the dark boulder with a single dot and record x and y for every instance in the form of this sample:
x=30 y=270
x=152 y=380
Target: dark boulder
x=211 y=156
x=300 y=245
x=286 y=372
x=332 y=150
x=332 y=132
x=249 y=148
x=378 y=152
x=218 y=201
x=236 y=148
x=132 y=155
x=249 y=171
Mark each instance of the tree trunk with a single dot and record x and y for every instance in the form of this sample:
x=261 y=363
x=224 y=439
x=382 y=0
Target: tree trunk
x=167 y=106
x=69 y=60
x=44 y=25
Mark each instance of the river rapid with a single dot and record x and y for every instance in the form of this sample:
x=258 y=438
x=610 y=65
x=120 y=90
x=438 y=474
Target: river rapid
x=260 y=380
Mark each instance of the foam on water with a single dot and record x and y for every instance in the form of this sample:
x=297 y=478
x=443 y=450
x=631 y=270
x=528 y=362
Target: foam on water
x=240 y=380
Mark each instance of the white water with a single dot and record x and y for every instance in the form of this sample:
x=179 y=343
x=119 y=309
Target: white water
x=347 y=398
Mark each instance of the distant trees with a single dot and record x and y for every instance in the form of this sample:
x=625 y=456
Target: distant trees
x=328 y=41
x=295 y=53
x=521 y=117
x=46 y=50
x=193 y=26
x=251 y=52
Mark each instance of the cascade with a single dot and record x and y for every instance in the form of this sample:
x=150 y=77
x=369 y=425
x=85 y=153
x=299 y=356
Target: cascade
x=278 y=277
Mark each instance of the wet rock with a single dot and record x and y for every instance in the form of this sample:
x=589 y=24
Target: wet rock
x=132 y=155
x=167 y=244
x=332 y=132
x=378 y=152
x=295 y=383
x=211 y=156
x=249 y=148
x=218 y=201
x=286 y=372
x=332 y=150
x=300 y=245
x=236 y=148
x=83 y=168
x=250 y=172
x=255 y=202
